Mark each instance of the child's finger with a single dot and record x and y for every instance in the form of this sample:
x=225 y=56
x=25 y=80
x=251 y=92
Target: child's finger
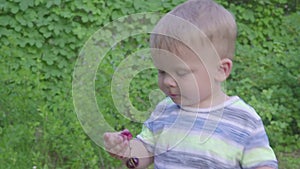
x=113 y=142
x=120 y=150
x=117 y=143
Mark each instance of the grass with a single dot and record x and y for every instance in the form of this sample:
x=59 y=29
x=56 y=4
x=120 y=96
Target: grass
x=289 y=160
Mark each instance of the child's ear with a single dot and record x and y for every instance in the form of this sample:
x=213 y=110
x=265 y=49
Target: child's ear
x=224 y=69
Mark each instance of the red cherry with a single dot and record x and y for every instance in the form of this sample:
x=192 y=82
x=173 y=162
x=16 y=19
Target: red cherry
x=132 y=162
x=126 y=135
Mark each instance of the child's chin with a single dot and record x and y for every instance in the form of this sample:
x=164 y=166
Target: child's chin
x=188 y=103
x=176 y=101
x=183 y=102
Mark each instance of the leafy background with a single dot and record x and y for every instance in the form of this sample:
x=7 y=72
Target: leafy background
x=39 y=44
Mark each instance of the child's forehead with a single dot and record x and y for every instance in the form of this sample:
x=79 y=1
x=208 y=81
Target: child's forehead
x=190 y=44
x=179 y=54
x=181 y=58
x=177 y=50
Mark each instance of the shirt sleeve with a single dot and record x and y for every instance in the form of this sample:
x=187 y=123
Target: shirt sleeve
x=257 y=151
x=147 y=135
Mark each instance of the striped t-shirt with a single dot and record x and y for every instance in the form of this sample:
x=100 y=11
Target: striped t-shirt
x=231 y=136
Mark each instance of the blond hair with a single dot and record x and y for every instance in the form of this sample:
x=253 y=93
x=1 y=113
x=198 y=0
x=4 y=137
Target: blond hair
x=212 y=22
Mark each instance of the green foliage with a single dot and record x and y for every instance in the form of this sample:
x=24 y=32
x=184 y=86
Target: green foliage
x=39 y=44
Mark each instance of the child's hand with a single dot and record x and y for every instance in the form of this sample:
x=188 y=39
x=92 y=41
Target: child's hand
x=117 y=143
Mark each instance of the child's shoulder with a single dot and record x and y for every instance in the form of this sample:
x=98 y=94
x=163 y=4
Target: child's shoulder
x=239 y=113
x=243 y=108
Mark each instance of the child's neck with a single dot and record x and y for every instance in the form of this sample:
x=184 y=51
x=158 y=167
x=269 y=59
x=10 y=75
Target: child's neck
x=217 y=98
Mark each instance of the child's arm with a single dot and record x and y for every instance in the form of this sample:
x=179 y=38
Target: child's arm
x=121 y=148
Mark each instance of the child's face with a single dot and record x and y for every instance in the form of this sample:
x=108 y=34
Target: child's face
x=184 y=78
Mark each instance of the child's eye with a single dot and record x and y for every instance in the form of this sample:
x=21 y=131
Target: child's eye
x=161 y=72
x=182 y=72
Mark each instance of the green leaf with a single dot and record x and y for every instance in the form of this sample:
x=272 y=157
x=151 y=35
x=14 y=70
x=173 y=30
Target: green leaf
x=4 y=20
x=24 y=4
x=20 y=19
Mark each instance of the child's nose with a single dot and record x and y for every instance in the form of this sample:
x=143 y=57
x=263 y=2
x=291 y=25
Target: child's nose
x=169 y=81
